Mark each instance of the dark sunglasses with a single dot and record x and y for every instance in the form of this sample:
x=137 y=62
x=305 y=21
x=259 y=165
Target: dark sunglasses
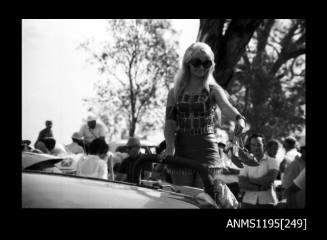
x=197 y=63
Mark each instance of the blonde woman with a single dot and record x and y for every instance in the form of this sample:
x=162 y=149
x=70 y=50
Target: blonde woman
x=190 y=111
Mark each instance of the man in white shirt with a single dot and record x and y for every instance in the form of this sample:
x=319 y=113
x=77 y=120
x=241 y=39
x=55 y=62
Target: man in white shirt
x=92 y=130
x=291 y=154
x=257 y=182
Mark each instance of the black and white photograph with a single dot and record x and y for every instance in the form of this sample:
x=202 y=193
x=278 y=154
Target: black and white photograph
x=165 y=114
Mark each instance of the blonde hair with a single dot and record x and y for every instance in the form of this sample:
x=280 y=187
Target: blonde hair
x=182 y=77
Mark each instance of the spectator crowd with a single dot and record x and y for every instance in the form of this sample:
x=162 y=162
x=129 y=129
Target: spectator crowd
x=268 y=184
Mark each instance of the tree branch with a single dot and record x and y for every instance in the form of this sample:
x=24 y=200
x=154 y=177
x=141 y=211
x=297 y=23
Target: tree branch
x=247 y=62
x=263 y=35
x=276 y=50
x=210 y=28
x=151 y=93
x=132 y=95
x=231 y=49
x=283 y=58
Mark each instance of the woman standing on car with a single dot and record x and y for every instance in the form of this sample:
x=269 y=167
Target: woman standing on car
x=190 y=112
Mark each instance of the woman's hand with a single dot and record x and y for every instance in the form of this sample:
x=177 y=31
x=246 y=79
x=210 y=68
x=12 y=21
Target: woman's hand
x=239 y=126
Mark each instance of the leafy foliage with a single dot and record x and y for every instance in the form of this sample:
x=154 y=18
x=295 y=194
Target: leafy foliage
x=272 y=77
x=261 y=64
x=137 y=70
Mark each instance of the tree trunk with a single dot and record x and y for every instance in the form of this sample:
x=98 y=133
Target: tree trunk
x=228 y=47
x=132 y=128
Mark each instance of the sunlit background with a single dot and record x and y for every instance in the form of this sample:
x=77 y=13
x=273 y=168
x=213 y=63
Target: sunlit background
x=56 y=77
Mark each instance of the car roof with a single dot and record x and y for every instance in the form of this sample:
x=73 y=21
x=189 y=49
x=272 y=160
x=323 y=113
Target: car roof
x=42 y=190
x=29 y=159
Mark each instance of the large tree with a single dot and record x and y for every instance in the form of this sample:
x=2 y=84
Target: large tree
x=274 y=78
x=266 y=74
x=228 y=39
x=138 y=68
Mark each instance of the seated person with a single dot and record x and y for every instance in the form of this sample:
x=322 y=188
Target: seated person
x=46 y=132
x=95 y=164
x=74 y=147
x=125 y=170
x=27 y=148
x=46 y=145
x=91 y=130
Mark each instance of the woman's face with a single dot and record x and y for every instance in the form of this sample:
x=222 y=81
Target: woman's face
x=200 y=64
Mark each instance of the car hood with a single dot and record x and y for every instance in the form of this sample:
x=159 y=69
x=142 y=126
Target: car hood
x=29 y=159
x=40 y=190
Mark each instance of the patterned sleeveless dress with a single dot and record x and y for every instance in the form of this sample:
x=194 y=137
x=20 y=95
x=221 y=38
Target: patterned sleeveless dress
x=195 y=138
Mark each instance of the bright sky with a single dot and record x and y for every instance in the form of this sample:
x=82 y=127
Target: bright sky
x=56 y=77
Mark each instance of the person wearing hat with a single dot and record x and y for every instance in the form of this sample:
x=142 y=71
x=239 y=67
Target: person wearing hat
x=290 y=155
x=92 y=130
x=74 y=147
x=125 y=170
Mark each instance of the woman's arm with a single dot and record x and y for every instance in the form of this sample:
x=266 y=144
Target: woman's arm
x=226 y=107
x=170 y=124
